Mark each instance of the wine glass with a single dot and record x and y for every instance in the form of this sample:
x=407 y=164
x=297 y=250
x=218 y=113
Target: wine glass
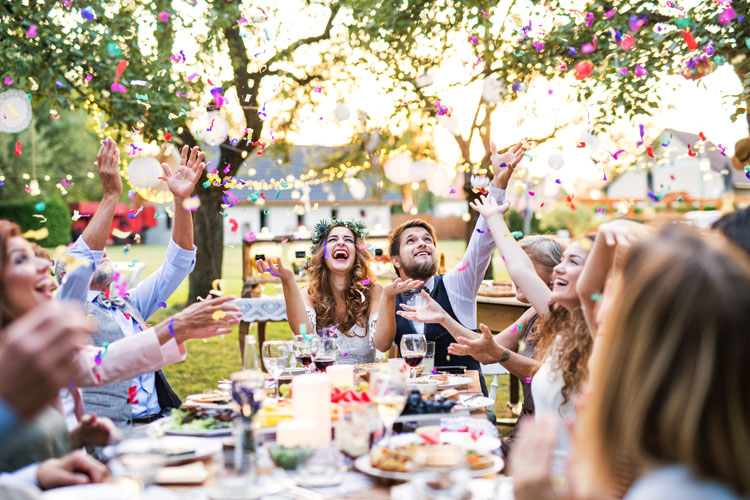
x=303 y=352
x=413 y=348
x=388 y=392
x=324 y=352
x=275 y=358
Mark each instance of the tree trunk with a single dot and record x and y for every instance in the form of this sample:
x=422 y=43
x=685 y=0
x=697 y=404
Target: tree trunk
x=209 y=238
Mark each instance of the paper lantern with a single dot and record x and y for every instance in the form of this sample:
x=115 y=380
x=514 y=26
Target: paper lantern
x=492 y=89
x=219 y=129
x=424 y=80
x=397 y=168
x=450 y=123
x=440 y=179
x=144 y=172
x=556 y=160
x=419 y=169
x=341 y=112
x=357 y=188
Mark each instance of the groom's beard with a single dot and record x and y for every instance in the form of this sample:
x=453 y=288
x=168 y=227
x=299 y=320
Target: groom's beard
x=420 y=270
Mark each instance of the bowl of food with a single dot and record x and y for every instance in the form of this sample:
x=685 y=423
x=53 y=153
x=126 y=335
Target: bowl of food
x=289 y=458
x=425 y=387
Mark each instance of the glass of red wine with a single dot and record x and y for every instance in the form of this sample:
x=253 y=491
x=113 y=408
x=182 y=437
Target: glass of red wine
x=413 y=348
x=303 y=352
x=324 y=352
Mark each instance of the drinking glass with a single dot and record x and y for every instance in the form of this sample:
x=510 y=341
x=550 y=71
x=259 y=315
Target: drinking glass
x=324 y=352
x=429 y=358
x=441 y=472
x=303 y=352
x=275 y=358
x=413 y=348
x=388 y=392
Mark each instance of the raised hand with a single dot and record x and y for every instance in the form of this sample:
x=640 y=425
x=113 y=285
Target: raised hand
x=504 y=164
x=107 y=163
x=182 y=181
x=398 y=285
x=209 y=318
x=481 y=347
x=275 y=268
x=488 y=207
x=73 y=469
x=621 y=232
x=94 y=431
x=429 y=313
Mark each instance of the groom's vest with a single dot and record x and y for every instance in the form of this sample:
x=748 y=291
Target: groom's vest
x=434 y=332
x=112 y=400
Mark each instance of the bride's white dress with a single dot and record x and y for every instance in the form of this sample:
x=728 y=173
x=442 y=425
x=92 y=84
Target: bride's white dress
x=356 y=345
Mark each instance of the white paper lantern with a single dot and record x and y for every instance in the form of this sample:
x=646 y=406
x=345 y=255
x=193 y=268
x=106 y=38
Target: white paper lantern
x=397 y=168
x=424 y=80
x=440 y=179
x=144 y=172
x=219 y=129
x=556 y=160
x=420 y=169
x=341 y=112
x=450 y=123
x=357 y=188
x=492 y=89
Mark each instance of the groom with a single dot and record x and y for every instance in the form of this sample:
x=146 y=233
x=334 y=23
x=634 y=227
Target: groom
x=414 y=256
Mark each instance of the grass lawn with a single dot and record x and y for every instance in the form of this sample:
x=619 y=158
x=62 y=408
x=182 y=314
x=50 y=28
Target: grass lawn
x=214 y=359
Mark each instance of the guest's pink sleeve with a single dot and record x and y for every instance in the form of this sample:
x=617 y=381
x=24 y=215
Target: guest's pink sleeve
x=125 y=359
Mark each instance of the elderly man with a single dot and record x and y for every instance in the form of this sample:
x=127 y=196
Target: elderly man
x=414 y=256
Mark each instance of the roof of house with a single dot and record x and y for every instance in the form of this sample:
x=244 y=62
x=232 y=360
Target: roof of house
x=301 y=159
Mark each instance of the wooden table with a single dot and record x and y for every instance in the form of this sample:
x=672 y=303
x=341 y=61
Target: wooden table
x=498 y=313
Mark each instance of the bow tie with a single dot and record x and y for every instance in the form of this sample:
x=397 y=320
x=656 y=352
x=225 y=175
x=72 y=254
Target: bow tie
x=408 y=294
x=107 y=303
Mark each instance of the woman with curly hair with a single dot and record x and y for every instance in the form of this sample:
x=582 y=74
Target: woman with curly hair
x=342 y=296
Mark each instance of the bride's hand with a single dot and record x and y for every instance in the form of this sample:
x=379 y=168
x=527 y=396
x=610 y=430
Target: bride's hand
x=275 y=268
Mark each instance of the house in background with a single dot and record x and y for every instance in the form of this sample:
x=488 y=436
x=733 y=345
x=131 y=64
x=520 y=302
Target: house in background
x=707 y=175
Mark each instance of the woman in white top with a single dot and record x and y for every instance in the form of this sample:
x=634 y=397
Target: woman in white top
x=342 y=296
x=670 y=397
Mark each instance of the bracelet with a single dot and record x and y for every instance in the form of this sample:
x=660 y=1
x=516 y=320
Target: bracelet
x=171 y=326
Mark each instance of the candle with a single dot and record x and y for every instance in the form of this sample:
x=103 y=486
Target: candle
x=341 y=375
x=311 y=397
x=292 y=433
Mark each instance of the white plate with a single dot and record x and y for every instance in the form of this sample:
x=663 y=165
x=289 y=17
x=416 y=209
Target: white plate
x=453 y=381
x=200 y=448
x=475 y=402
x=110 y=491
x=227 y=431
x=363 y=465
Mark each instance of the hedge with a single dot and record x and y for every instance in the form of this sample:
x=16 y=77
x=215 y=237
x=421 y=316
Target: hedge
x=58 y=221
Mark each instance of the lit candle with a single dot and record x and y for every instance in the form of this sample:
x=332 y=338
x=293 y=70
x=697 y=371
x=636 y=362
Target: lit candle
x=292 y=433
x=341 y=375
x=311 y=398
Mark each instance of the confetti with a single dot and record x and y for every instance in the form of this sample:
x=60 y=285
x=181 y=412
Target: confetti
x=249 y=236
x=650 y=151
x=31 y=33
x=171 y=326
x=217 y=315
x=36 y=234
x=131 y=395
x=234 y=225
x=116 y=87
x=88 y=14
x=118 y=233
x=581 y=145
x=691 y=152
x=596 y=296
x=162 y=304
x=517 y=234
x=17 y=152
x=464 y=267
x=365 y=282
x=217 y=287
x=191 y=204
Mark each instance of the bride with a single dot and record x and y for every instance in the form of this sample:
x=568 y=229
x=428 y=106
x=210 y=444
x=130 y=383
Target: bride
x=342 y=297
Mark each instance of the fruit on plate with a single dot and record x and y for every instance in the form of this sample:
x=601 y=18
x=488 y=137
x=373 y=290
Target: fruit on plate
x=417 y=405
x=349 y=396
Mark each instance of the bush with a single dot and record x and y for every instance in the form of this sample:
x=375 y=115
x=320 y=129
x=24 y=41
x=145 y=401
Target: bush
x=58 y=221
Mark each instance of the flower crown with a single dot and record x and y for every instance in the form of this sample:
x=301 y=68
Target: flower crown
x=324 y=226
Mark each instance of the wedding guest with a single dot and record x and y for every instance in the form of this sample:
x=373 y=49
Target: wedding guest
x=413 y=253
x=736 y=227
x=342 y=295
x=74 y=469
x=672 y=354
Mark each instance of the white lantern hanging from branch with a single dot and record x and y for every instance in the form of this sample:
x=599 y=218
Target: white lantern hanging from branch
x=397 y=168
x=144 y=172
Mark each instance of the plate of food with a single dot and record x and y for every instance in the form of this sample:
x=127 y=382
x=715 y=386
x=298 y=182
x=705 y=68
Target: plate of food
x=394 y=460
x=444 y=380
x=199 y=421
x=475 y=401
x=177 y=449
x=209 y=399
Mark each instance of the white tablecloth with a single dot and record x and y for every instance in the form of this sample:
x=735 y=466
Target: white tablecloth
x=262 y=309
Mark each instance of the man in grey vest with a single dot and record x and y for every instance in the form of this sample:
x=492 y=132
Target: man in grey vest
x=123 y=313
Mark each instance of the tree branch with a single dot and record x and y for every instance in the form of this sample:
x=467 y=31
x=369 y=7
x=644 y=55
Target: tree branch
x=283 y=54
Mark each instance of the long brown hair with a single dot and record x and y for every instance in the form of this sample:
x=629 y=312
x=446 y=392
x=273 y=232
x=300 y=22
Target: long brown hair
x=357 y=296
x=8 y=230
x=673 y=380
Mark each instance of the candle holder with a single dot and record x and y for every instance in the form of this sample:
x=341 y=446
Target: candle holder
x=247 y=389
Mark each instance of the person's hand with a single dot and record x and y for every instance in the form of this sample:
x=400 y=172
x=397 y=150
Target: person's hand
x=480 y=347
x=429 y=313
x=107 y=162
x=621 y=232
x=504 y=164
x=488 y=207
x=73 y=469
x=182 y=181
x=398 y=285
x=94 y=431
x=37 y=354
x=275 y=268
x=208 y=318
x=531 y=461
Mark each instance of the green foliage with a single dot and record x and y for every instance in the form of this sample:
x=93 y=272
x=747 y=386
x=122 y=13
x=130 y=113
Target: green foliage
x=52 y=148
x=23 y=212
x=561 y=216
x=515 y=223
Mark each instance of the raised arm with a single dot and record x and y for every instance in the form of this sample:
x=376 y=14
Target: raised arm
x=385 y=332
x=517 y=262
x=181 y=183
x=485 y=349
x=611 y=236
x=295 y=303
x=107 y=162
